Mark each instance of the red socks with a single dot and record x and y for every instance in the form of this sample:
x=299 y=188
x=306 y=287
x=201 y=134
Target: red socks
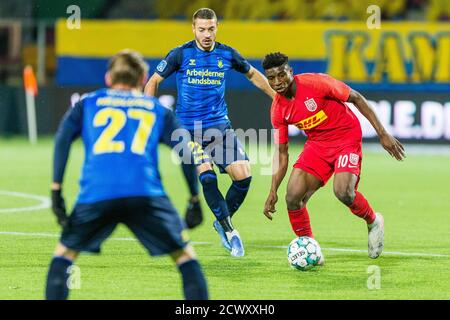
x=300 y=222
x=361 y=208
x=300 y=218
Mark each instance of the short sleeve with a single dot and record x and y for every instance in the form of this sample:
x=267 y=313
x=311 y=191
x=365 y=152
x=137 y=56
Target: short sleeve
x=171 y=63
x=332 y=88
x=281 y=135
x=239 y=63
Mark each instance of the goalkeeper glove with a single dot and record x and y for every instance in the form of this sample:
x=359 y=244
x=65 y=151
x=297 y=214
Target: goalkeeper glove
x=59 y=208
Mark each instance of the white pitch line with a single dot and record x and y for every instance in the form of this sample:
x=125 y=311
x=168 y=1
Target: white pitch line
x=54 y=235
x=44 y=202
x=396 y=253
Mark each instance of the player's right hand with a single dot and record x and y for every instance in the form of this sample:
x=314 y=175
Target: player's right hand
x=59 y=207
x=269 y=207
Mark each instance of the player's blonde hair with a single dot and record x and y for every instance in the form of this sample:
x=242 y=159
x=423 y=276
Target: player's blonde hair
x=127 y=67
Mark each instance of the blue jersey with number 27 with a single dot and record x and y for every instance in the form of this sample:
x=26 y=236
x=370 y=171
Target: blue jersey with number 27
x=121 y=131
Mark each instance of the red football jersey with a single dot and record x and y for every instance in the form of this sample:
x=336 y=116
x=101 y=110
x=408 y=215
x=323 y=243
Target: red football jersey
x=318 y=109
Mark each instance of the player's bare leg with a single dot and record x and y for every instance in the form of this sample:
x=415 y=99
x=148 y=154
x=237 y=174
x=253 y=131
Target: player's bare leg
x=57 y=287
x=344 y=186
x=301 y=187
x=194 y=282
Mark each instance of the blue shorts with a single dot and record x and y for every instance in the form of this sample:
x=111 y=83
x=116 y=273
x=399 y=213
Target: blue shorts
x=153 y=220
x=217 y=144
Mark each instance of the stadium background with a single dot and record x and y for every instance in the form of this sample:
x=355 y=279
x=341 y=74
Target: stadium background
x=402 y=67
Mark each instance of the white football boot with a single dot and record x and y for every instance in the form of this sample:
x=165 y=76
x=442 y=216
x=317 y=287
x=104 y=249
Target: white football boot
x=376 y=236
x=237 y=247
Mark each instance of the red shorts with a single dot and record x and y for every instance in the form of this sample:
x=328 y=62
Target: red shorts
x=322 y=161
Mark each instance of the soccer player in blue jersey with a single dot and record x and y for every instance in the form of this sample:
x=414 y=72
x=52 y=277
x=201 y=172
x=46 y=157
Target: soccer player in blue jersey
x=120 y=182
x=201 y=66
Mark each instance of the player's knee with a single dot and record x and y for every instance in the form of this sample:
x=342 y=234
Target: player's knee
x=293 y=201
x=239 y=170
x=183 y=255
x=345 y=194
x=63 y=251
x=203 y=168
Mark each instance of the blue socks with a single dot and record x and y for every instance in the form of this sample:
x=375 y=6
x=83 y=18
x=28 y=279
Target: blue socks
x=236 y=194
x=212 y=194
x=57 y=279
x=194 y=283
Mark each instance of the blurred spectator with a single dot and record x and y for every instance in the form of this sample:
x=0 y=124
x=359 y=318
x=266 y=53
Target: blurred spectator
x=439 y=10
x=247 y=9
x=393 y=9
x=415 y=9
x=16 y=9
x=433 y=10
x=130 y=9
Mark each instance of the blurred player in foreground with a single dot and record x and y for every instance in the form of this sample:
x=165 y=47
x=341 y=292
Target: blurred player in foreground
x=315 y=103
x=200 y=66
x=120 y=183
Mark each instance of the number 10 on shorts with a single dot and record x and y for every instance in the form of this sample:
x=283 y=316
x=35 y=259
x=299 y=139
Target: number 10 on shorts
x=350 y=160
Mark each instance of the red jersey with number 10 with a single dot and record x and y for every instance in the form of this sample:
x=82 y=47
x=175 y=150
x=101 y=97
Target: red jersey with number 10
x=318 y=109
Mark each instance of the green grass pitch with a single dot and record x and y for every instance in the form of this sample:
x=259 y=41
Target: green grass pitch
x=413 y=196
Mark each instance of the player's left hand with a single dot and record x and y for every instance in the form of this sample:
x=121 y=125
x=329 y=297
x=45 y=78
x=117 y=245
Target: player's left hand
x=59 y=207
x=392 y=146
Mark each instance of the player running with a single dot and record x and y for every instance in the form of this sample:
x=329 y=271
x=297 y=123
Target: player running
x=201 y=66
x=315 y=103
x=120 y=183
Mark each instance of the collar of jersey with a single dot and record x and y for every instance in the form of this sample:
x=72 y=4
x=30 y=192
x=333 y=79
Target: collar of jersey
x=199 y=48
x=133 y=92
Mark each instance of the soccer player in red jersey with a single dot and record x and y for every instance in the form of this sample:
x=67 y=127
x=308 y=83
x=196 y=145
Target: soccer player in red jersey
x=315 y=103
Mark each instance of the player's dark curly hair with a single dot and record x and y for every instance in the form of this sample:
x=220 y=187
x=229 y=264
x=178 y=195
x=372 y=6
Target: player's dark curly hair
x=273 y=60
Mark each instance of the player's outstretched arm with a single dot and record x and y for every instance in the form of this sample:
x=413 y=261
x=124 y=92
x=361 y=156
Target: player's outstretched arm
x=389 y=143
x=260 y=81
x=151 y=88
x=279 y=166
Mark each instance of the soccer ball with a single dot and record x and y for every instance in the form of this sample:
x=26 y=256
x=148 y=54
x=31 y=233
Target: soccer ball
x=303 y=253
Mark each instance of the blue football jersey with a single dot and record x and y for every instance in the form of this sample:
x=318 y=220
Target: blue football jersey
x=201 y=81
x=120 y=132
